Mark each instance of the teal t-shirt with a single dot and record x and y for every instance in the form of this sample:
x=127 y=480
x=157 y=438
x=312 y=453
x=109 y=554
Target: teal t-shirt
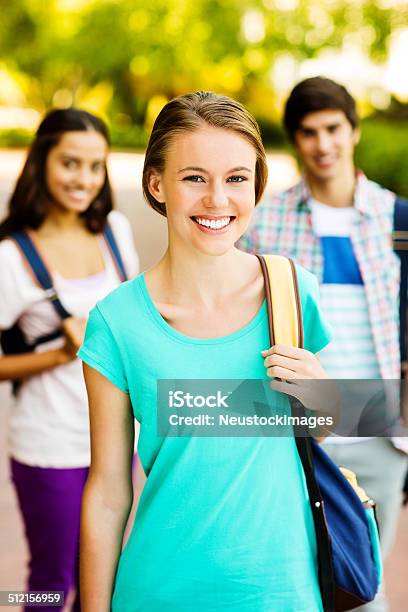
x=223 y=523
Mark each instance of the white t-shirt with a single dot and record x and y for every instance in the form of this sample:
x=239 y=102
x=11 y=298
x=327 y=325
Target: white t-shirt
x=351 y=354
x=49 y=424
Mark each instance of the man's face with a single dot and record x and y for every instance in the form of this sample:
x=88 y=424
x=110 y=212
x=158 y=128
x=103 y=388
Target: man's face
x=325 y=141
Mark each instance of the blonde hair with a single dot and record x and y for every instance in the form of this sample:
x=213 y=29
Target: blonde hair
x=190 y=112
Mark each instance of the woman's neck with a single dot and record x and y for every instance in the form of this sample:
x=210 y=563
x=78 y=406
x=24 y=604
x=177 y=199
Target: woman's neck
x=201 y=278
x=61 y=221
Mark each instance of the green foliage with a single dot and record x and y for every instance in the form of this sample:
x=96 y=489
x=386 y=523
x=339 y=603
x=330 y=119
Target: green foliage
x=129 y=137
x=273 y=135
x=167 y=47
x=383 y=153
x=15 y=138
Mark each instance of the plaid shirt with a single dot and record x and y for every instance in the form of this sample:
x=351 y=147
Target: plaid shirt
x=283 y=224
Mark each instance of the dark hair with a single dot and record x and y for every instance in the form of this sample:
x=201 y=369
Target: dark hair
x=190 y=112
x=317 y=94
x=29 y=204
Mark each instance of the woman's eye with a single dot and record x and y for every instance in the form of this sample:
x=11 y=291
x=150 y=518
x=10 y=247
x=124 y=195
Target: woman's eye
x=70 y=164
x=194 y=178
x=98 y=167
x=237 y=179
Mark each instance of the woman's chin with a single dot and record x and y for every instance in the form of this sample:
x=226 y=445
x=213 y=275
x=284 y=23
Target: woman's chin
x=216 y=249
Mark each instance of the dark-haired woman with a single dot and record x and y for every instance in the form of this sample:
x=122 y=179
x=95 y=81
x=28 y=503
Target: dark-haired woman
x=62 y=201
x=223 y=523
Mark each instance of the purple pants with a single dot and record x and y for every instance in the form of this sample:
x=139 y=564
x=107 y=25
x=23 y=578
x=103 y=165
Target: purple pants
x=50 y=502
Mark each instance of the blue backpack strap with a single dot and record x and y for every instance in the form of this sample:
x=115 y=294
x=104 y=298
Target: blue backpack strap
x=39 y=269
x=114 y=249
x=400 y=244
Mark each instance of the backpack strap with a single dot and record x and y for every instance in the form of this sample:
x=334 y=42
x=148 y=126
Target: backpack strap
x=39 y=269
x=282 y=296
x=114 y=250
x=400 y=244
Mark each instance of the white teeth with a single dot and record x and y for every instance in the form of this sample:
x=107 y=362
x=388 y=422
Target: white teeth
x=212 y=223
x=78 y=193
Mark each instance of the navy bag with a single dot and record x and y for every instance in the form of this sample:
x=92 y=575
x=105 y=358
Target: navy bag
x=349 y=559
x=348 y=546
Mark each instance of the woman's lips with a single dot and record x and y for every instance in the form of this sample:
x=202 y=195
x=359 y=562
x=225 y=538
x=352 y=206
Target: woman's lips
x=209 y=224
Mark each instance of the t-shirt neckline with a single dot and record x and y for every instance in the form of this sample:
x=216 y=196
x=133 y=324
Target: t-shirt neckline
x=257 y=320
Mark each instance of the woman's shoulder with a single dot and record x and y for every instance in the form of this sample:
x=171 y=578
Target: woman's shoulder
x=307 y=281
x=118 y=221
x=12 y=262
x=123 y=233
x=123 y=300
x=8 y=249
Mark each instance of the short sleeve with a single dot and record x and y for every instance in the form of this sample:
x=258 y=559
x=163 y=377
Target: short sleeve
x=101 y=352
x=317 y=331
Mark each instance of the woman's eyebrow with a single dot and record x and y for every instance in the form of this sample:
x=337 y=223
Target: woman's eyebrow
x=198 y=169
x=240 y=169
x=194 y=168
x=74 y=157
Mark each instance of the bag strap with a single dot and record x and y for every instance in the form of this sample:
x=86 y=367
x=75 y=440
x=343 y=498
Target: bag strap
x=285 y=325
x=39 y=269
x=282 y=295
x=114 y=250
x=400 y=245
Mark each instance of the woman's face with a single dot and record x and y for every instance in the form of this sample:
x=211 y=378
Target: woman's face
x=75 y=169
x=208 y=186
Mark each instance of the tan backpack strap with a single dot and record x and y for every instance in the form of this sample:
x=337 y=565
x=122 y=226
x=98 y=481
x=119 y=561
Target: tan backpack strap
x=283 y=301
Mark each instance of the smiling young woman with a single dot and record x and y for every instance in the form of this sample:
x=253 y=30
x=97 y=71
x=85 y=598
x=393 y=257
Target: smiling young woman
x=222 y=523
x=62 y=201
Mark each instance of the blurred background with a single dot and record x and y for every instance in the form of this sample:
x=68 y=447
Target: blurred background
x=124 y=59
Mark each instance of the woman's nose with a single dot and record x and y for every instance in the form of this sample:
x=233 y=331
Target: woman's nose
x=217 y=196
x=84 y=176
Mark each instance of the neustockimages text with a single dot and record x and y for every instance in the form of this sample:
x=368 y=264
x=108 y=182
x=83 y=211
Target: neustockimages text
x=180 y=399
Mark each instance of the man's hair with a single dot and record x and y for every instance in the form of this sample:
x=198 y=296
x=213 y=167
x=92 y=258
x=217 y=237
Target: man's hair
x=317 y=94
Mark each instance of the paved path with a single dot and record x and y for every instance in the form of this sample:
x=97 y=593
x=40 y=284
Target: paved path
x=150 y=235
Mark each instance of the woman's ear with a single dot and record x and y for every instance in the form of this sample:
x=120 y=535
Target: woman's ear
x=155 y=186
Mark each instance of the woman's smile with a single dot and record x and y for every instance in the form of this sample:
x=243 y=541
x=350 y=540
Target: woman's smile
x=213 y=224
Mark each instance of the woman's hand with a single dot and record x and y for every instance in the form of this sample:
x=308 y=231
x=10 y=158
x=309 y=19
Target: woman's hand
x=288 y=363
x=295 y=372
x=73 y=329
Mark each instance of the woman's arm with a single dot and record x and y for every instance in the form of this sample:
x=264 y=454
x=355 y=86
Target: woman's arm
x=18 y=367
x=108 y=493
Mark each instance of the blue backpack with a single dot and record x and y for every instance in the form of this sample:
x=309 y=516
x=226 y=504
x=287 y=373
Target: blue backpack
x=349 y=558
x=13 y=341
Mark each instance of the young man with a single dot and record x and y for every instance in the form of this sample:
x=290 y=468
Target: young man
x=338 y=224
